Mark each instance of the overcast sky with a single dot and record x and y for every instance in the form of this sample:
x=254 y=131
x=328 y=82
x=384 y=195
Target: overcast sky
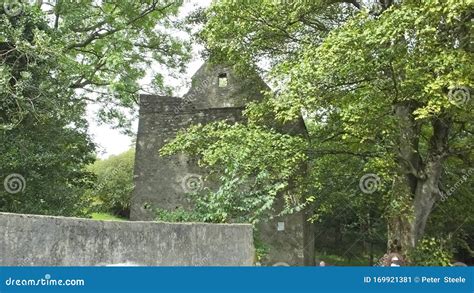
x=110 y=141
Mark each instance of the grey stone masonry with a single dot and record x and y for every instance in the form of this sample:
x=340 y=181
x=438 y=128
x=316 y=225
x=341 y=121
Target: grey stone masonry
x=217 y=93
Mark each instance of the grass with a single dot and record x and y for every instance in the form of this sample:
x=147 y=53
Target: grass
x=105 y=217
x=336 y=260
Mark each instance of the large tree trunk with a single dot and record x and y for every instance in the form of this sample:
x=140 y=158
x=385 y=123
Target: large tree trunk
x=415 y=187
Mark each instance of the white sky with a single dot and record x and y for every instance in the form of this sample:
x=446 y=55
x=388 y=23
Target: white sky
x=110 y=141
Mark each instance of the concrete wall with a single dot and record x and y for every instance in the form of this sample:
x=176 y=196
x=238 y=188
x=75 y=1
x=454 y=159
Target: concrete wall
x=30 y=240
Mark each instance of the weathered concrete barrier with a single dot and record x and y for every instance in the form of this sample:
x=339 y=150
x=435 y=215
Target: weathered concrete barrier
x=29 y=240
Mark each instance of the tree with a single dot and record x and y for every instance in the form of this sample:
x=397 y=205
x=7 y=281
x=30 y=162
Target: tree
x=390 y=85
x=405 y=65
x=55 y=59
x=96 y=52
x=113 y=188
x=49 y=157
x=43 y=133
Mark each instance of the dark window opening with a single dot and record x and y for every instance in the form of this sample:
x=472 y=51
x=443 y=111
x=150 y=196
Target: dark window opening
x=223 y=80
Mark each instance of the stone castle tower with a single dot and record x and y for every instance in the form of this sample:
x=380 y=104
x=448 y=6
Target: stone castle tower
x=217 y=93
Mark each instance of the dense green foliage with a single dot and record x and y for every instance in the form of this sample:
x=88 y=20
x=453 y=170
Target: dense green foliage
x=112 y=189
x=100 y=49
x=179 y=215
x=385 y=90
x=49 y=155
x=250 y=177
x=431 y=252
x=55 y=59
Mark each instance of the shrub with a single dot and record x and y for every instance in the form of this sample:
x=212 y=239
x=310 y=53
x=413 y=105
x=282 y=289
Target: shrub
x=431 y=252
